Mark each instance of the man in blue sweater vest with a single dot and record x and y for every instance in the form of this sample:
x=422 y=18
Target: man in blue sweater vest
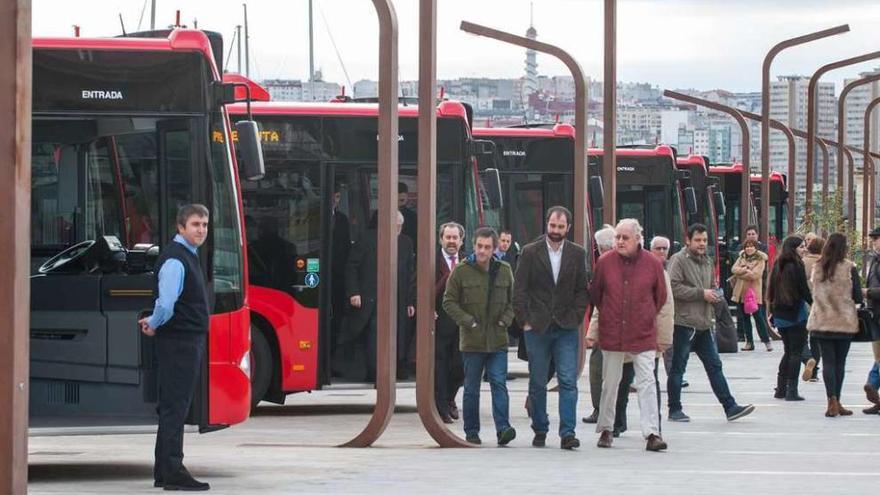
x=179 y=324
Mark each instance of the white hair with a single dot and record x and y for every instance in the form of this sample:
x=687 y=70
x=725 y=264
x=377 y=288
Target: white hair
x=632 y=224
x=659 y=238
x=604 y=238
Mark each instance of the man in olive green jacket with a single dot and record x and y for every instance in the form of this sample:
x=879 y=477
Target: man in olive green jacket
x=479 y=298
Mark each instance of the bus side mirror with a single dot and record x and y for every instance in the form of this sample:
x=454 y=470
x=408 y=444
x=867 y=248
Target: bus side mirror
x=597 y=192
x=482 y=147
x=690 y=200
x=250 y=151
x=490 y=186
x=720 y=207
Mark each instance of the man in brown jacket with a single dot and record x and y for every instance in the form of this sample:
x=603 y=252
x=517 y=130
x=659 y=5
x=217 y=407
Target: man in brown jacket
x=550 y=300
x=629 y=289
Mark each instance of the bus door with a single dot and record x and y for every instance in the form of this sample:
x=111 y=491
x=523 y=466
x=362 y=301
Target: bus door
x=527 y=196
x=650 y=206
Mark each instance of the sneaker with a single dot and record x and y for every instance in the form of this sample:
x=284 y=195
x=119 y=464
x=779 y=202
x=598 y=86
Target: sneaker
x=474 y=439
x=569 y=442
x=809 y=368
x=592 y=419
x=540 y=440
x=739 y=411
x=679 y=417
x=506 y=436
x=748 y=347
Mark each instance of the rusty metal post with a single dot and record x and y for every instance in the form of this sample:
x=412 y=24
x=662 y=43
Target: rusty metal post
x=15 y=203
x=850 y=189
x=765 y=117
x=427 y=213
x=841 y=109
x=746 y=149
x=581 y=225
x=609 y=130
x=825 y=156
x=386 y=252
x=812 y=93
x=868 y=176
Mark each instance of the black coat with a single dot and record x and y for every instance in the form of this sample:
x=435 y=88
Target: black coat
x=873 y=282
x=361 y=280
x=445 y=324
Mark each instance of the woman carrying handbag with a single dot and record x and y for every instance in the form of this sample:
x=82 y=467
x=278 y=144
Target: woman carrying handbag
x=747 y=274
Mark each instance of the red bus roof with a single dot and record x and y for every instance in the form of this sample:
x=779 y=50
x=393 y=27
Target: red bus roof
x=661 y=150
x=258 y=92
x=737 y=168
x=691 y=161
x=558 y=130
x=178 y=40
x=446 y=109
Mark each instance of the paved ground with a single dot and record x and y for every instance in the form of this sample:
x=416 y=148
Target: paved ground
x=781 y=448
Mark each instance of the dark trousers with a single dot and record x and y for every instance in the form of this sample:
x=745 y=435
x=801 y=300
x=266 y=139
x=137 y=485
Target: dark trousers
x=812 y=351
x=179 y=357
x=448 y=369
x=685 y=339
x=834 y=352
x=794 y=338
x=744 y=321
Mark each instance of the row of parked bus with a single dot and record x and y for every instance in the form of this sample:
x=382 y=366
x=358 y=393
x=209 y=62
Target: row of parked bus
x=125 y=130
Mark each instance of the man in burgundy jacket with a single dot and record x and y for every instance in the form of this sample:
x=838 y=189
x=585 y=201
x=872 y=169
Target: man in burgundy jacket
x=629 y=289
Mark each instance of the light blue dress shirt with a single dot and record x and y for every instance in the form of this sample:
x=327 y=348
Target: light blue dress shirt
x=171 y=277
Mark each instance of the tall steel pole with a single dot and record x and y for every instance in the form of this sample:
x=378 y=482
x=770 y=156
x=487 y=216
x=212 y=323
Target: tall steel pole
x=581 y=202
x=247 y=44
x=238 y=45
x=386 y=252
x=609 y=134
x=15 y=202
x=152 y=15
x=427 y=212
x=746 y=149
x=765 y=115
x=812 y=93
x=311 y=44
x=868 y=175
x=841 y=118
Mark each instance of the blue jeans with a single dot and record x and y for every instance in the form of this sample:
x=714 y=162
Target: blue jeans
x=874 y=376
x=560 y=344
x=703 y=343
x=495 y=365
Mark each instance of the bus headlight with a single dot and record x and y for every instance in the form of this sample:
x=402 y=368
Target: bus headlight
x=245 y=364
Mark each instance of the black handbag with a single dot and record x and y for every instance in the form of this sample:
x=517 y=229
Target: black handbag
x=869 y=327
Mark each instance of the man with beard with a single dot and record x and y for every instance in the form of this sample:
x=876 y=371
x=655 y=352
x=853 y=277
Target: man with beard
x=550 y=300
x=448 y=366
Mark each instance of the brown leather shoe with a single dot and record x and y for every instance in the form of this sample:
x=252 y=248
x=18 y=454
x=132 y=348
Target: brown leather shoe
x=832 y=410
x=655 y=444
x=871 y=394
x=447 y=419
x=605 y=440
x=453 y=410
x=842 y=410
x=875 y=409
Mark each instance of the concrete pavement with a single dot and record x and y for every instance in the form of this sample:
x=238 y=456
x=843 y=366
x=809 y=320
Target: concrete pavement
x=782 y=448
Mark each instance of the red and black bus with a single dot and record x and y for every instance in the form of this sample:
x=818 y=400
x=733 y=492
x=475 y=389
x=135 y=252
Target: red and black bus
x=318 y=194
x=535 y=168
x=649 y=189
x=122 y=136
x=710 y=201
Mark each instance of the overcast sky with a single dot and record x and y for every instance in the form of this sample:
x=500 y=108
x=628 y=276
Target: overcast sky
x=702 y=44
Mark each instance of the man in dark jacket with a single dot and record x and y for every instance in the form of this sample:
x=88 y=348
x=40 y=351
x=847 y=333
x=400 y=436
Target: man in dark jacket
x=692 y=275
x=871 y=294
x=180 y=325
x=550 y=300
x=448 y=367
x=629 y=289
x=479 y=298
x=360 y=323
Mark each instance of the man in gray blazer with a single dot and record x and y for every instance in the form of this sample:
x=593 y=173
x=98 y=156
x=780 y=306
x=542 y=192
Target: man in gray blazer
x=550 y=300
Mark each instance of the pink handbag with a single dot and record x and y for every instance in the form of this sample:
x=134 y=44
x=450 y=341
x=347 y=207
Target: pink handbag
x=750 y=301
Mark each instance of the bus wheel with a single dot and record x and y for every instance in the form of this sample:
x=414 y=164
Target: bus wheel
x=261 y=366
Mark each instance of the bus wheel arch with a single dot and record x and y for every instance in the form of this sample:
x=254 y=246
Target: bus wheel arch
x=265 y=377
